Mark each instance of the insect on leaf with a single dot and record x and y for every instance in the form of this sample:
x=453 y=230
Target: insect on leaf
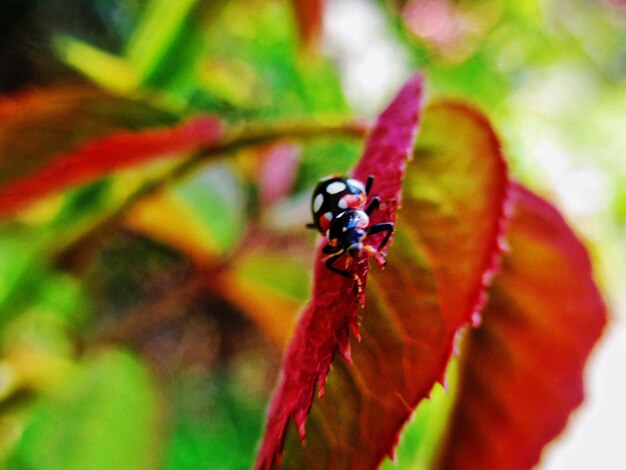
x=444 y=250
x=325 y=324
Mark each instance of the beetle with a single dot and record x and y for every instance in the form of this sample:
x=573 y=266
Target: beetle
x=333 y=195
x=338 y=206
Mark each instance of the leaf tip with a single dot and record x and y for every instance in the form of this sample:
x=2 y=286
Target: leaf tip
x=345 y=353
x=456 y=342
x=477 y=317
x=302 y=431
x=321 y=385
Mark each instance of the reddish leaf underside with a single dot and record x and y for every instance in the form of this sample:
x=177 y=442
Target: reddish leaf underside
x=522 y=370
x=50 y=140
x=277 y=171
x=323 y=329
x=443 y=255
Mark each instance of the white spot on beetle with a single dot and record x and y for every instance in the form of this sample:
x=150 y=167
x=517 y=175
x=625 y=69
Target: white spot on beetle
x=357 y=184
x=317 y=202
x=335 y=187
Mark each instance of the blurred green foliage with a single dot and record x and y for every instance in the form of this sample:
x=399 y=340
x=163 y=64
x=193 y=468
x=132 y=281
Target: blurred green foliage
x=83 y=384
x=218 y=428
x=107 y=409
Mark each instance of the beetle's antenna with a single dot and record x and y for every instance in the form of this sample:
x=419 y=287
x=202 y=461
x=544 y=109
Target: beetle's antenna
x=368 y=184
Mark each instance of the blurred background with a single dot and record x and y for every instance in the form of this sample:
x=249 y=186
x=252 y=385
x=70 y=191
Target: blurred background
x=154 y=340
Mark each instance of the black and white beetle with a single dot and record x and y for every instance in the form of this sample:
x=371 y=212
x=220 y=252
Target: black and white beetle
x=338 y=209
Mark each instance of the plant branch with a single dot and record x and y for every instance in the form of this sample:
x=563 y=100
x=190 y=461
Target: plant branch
x=233 y=140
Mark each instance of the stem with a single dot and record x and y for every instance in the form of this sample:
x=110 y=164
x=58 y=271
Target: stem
x=235 y=139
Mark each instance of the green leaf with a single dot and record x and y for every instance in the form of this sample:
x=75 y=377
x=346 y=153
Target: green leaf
x=217 y=424
x=107 y=416
x=215 y=197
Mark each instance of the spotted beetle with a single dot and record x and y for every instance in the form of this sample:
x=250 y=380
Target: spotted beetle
x=339 y=212
x=333 y=195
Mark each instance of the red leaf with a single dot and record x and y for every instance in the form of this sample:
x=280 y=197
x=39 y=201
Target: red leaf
x=37 y=126
x=309 y=16
x=521 y=372
x=54 y=139
x=444 y=250
x=324 y=326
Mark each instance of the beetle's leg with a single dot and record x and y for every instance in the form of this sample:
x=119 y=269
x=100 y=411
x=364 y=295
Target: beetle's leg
x=329 y=264
x=368 y=184
x=375 y=204
x=382 y=227
x=330 y=249
x=311 y=225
